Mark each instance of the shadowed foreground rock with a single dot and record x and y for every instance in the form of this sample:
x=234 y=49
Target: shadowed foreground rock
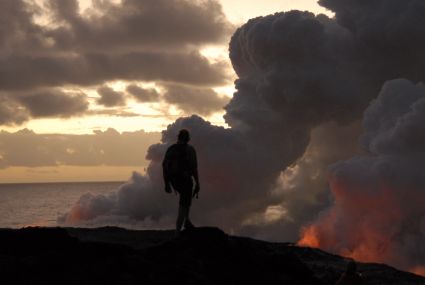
x=201 y=256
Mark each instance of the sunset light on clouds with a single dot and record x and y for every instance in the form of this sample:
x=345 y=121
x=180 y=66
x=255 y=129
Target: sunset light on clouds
x=102 y=99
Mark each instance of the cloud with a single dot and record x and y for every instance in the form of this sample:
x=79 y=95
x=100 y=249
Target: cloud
x=143 y=95
x=393 y=121
x=19 y=33
x=25 y=71
x=136 y=197
x=26 y=148
x=391 y=32
x=230 y=172
x=50 y=102
x=237 y=182
x=115 y=112
x=302 y=190
x=47 y=47
x=18 y=107
x=189 y=99
x=109 y=97
x=111 y=44
x=204 y=101
x=11 y=113
x=377 y=213
x=139 y=24
x=302 y=67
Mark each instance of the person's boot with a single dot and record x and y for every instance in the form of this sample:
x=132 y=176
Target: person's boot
x=181 y=217
x=188 y=225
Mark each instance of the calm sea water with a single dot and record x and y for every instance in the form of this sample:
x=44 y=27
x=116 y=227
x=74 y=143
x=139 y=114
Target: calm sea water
x=40 y=204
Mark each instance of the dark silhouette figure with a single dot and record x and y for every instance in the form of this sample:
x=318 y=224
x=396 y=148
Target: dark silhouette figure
x=180 y=169
x=351 y=276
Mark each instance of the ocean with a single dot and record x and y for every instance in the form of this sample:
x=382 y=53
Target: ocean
x=40 y=204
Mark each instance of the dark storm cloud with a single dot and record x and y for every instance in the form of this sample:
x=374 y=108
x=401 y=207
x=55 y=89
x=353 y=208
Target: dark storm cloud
x=28 y=149
x=32 y=55
x=18 y=33
x=140 y=24
x=143 y=95
x=11 y=113
x=109 y=97
x=204 y=101
x=18 y=107
x=52 y=103
x=134 y=40
x=24 y=72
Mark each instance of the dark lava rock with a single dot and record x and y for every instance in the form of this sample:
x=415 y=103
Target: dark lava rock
x=211 y=253
x=200 y=256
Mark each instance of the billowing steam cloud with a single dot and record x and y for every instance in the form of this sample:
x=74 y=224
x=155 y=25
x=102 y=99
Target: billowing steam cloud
x=298 y=73
x=270 y=127
x=378 y=212
x=230 y=175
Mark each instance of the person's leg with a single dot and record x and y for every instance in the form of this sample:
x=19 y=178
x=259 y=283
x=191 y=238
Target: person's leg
x=177 y=185
x=187 y=202
x=183 y=218
x=187 y=223
x=185 y=193
x=180 y=218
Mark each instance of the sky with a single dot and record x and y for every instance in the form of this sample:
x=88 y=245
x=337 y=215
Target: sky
x=78 y=69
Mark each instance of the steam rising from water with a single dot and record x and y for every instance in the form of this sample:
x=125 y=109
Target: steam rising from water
x=378 y=212
x=300 y=73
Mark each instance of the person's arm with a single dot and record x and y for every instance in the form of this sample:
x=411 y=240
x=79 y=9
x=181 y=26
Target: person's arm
x=165 y=171
x=195 y=174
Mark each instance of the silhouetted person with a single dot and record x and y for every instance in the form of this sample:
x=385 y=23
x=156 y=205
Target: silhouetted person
x=350 y=276
x=180 y=169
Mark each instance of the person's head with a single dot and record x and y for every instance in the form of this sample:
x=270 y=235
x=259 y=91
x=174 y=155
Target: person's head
x=183 y=136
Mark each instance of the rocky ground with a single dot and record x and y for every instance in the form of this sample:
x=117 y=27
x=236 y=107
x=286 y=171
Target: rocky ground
x=202 y=256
